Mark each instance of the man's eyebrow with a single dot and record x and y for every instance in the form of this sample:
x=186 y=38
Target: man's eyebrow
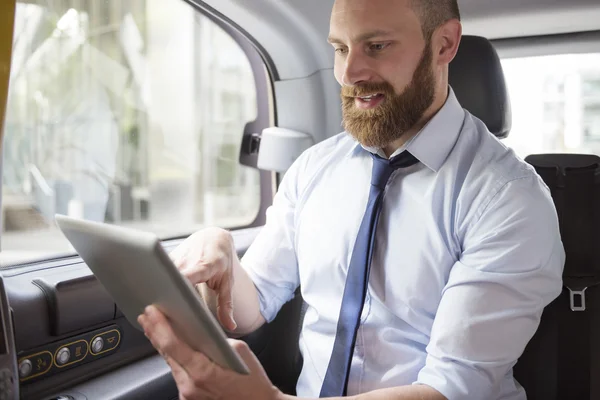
x=333 y=40
x=360 y=38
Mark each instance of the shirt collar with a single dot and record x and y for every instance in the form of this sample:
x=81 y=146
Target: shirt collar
x=432 y=144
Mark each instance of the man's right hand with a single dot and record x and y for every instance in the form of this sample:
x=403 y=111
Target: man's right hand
x=208 y=256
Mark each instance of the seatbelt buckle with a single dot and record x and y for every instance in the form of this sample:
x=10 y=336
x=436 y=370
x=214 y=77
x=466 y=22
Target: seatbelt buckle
x=577 y=299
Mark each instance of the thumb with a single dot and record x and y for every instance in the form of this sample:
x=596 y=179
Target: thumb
x=225 y=306
x=250 y=359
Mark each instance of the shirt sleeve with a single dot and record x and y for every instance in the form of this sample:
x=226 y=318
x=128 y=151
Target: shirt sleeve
x=510 y=269
x=271 y=260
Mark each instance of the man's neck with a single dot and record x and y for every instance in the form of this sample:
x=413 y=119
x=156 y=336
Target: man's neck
x=435 y=107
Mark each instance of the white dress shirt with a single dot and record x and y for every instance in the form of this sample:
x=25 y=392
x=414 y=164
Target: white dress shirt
x=467 y=254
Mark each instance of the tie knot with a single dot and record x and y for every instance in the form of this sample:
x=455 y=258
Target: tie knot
x=382 y=168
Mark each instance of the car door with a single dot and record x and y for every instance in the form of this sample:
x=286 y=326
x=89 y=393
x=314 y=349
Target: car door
x=142 y=114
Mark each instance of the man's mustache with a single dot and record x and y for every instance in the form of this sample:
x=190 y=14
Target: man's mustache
x=365 y=89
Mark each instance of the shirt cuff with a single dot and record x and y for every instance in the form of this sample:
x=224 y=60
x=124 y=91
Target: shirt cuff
x=454 y=380
x=270 y=297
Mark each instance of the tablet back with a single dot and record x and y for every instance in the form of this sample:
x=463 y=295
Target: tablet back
x=137 y=272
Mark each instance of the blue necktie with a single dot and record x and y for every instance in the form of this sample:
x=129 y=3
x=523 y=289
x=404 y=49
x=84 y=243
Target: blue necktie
x=336 y=378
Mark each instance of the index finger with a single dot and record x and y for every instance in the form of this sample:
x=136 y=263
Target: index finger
x=178 y=257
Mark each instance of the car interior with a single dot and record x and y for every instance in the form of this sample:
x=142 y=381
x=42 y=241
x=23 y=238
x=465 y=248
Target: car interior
x=120 y=77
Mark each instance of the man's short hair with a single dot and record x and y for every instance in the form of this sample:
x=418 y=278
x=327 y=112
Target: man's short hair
x=434 y=13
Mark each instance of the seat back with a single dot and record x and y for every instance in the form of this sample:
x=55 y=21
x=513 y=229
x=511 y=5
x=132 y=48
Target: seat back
x=477 y=79
x=561 y=361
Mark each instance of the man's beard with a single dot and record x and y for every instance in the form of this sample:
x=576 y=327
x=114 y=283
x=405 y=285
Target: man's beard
x=397 y=113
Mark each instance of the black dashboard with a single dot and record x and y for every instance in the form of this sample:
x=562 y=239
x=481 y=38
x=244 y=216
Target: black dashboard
x=60 y=328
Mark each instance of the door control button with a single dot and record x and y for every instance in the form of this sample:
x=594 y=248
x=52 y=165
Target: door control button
x=25 y=368
x=97 y=345
x=63 y=356
x=41 y=363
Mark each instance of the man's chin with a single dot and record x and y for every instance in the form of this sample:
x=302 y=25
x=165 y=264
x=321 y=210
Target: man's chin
x=366 y=141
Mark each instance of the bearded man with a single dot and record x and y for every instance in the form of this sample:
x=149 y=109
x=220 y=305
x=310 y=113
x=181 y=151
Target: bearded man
x=424 y=248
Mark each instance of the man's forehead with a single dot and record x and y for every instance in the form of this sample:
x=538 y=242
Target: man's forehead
x=357 y=17
x=341 y=6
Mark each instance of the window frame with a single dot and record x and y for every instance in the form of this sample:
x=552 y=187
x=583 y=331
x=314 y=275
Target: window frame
x=264 y=73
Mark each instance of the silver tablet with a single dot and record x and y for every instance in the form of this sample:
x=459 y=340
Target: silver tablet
x=137 y=272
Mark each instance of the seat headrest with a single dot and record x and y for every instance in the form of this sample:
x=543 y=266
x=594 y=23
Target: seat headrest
x=477 y=79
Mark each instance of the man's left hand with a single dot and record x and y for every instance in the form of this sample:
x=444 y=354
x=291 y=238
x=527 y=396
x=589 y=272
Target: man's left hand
x=199 y=378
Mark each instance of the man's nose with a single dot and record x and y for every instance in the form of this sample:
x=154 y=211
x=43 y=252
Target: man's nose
x=357 y=69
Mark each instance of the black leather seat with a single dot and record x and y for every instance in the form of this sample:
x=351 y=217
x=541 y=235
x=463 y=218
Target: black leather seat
x=478 y=81
x=562 y=361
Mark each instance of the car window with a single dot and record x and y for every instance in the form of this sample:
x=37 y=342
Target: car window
x=555 y=103
x=127 y=112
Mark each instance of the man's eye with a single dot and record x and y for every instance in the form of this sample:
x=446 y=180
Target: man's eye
x=341 y=50
x=378 y=46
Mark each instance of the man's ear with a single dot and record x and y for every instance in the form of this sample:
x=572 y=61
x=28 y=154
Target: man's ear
x=446 y=40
